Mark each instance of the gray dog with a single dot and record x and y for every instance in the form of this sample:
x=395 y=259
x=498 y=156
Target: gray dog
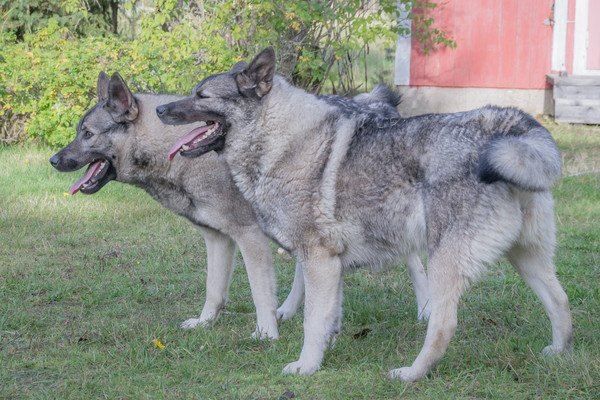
x=343 y=188
x=122 y=138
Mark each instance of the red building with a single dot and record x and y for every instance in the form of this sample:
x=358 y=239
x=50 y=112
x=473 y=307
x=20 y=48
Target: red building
x=505 y=51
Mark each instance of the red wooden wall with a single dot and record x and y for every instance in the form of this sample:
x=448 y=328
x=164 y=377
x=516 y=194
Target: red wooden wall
x=500 y=44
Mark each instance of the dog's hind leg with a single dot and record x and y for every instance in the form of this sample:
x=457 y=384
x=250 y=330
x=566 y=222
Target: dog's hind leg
x=538 y=271
x=420 y=285
x=220 y=250
x=258 y=259
x=532 y=258
x=291 y=304
x=322 y=309
x=446 y=285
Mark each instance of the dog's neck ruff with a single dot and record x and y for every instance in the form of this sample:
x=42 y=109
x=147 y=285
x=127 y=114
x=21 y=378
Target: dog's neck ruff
x=291 y=121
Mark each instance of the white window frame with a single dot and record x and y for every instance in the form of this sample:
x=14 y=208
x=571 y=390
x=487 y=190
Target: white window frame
x=582 y=38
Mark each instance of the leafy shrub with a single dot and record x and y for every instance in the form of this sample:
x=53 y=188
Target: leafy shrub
x=86 y=18
x=48 y=77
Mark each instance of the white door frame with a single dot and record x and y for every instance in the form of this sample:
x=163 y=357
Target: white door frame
x=582 y=38
x=559 y=35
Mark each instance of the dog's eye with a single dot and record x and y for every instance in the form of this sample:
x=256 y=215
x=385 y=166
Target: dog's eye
x=87 y=134
x=201 y=95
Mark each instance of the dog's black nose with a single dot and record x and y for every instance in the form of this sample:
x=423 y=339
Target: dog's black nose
x=54 y=160
x=160 y=110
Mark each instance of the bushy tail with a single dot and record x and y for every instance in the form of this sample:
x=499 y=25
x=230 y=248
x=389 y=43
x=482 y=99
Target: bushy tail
x=529 y=160
x=380 y=94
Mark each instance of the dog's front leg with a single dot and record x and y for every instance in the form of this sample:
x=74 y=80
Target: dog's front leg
x=220 y=250
x=258 y=259
x=291 y=304
x=420 y=285
x=322 y=309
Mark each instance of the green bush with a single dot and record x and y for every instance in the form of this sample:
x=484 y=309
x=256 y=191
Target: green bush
x=48 y=77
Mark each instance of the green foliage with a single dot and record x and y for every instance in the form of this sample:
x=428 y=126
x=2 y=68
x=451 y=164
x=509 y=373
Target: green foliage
x=86 y=18
x=424 y=31
x=50 y=76
x=47 y=77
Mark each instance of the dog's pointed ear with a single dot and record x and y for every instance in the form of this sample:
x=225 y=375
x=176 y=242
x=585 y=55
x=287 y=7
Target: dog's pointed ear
x=102 y=87
x=239 y=67
x=120 y=103
x=257 y=78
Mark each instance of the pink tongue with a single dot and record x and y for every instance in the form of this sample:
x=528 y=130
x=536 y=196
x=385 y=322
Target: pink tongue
x=187 y=139
x=92 y=169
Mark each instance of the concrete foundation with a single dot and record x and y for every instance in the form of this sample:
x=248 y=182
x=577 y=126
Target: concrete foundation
x=423 y=99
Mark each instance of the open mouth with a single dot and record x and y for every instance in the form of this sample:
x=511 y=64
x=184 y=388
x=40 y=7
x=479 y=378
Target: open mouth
x=93 y=179
x=197 y=140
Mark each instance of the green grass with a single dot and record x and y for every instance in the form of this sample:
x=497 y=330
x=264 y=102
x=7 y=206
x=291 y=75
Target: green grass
x=87 y=282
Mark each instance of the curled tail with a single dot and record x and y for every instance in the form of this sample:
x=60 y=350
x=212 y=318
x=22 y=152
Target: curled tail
x=529 y=160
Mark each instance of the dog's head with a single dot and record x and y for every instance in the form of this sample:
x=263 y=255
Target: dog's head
x=99 y=132
x=218 y=100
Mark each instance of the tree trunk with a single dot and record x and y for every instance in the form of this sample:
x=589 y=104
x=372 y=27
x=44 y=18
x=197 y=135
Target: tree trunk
x=114 y=8
x=288 y=53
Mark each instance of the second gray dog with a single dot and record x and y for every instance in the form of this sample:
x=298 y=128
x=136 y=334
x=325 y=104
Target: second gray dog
x=342 y=188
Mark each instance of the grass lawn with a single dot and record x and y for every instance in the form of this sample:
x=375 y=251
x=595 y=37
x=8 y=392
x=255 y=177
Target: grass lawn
x=87 y=282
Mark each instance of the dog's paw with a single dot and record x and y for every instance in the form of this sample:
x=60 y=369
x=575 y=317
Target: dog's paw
x=553 y=350
x=405 y=374
x=284 y=312
x=265 y=334
x=193 y=323
x=300 y=368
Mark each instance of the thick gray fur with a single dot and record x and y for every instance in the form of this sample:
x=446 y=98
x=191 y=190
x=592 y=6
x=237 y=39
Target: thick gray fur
x=344 y=189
